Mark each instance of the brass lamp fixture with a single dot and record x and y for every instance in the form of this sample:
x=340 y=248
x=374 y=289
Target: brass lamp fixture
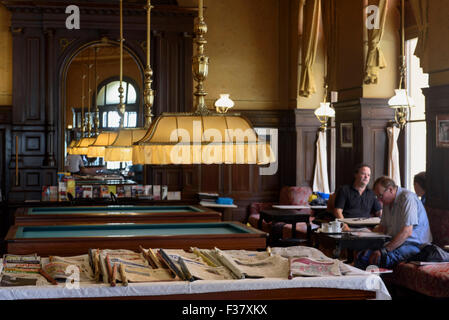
x=224 y=103
x=324 y=112
x=121 y=148
x=148 y=93
x=83 y=146
x=401 y=102
x=202 y=136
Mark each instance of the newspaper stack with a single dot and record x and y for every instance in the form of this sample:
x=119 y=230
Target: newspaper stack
x=129 y=265
x=21 y=270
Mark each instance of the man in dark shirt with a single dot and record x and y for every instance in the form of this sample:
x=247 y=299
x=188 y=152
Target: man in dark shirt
x=356 y=200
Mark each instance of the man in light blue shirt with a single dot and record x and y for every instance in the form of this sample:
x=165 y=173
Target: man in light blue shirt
x=404 y=218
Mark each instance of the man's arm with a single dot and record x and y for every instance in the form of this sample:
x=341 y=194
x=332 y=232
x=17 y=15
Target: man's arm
x=338 y=213
x=400 y=238
x=378 y=213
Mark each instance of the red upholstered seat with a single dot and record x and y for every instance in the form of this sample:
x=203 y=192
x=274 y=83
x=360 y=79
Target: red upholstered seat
x=431 y=280
x=288 y=196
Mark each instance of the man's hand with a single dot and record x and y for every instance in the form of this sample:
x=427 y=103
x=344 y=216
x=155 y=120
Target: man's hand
x=374 y=258
x=345 y=227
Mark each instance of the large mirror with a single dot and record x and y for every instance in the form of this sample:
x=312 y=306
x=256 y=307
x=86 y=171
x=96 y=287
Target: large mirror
x=91 y=95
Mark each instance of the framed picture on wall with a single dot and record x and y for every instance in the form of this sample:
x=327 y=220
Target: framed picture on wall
x=442 y=131
x=346 y=137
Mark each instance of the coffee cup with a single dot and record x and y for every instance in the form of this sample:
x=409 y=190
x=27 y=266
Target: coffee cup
x=336 y=226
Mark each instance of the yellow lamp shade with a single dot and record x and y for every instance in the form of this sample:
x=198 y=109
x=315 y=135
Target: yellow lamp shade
x=121 y=149
x=196 y=139
x=71 y=145
x=82 y=146
x=104 y=139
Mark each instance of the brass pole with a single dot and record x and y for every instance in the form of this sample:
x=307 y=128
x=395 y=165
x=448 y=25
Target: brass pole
x=97 y=111
x=148 y=94
x=89 y=91
x=17 y=160
x=121 y=106
x=83 y=130
x=200 y=63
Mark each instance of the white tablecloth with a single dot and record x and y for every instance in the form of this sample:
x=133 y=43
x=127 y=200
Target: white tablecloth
x=363 y=281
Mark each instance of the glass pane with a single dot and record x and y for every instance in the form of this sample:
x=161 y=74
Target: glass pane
x=417 y=131
x=131 y=119
x=132 y=96
x=112 y=94
x=113 y=119
x=113 y=165
x=105 y=119
x=100 y=96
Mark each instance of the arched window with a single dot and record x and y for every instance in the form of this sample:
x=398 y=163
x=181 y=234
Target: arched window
x=108 y=100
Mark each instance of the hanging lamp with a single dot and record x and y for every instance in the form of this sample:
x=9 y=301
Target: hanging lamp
x=324 y=112
x=105 y=138
x=82 y=147
x=203 y=136
x=76 y=149
x=401 y=102
x=121 y=149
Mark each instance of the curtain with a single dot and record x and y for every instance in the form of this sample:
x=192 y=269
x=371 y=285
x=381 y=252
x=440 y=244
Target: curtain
x=312 y=15
x=393 y=154
x=320 y=178
x=375 y=59
x=420 y=10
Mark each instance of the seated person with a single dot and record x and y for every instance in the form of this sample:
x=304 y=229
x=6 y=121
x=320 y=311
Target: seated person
x=419 y=183
x=404 y=219
x=356 y=200
x=74 y=163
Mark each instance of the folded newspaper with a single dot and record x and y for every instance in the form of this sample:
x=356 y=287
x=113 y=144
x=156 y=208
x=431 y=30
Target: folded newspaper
x=135 y=267
x=313 y=268
x=196 y=267
x=253 y=264
x=66 y=267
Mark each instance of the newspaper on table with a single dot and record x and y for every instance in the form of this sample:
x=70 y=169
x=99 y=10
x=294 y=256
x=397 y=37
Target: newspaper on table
x=255 y=264
x=136 y=267
x=21 y=270
x=65 y=267
x=308 y=261
x=308 y=267
x=197 y=267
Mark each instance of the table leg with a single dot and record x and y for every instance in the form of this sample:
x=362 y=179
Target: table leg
x=337 y=251
x=309 y=234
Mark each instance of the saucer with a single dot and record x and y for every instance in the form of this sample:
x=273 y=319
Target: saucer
x=331 y=232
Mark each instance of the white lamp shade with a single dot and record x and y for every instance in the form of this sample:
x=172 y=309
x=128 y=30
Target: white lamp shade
x=224 y=101
x=401 y=100
x=325 y=110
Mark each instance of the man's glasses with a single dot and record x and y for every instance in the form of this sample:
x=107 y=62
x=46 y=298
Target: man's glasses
x=381 y=196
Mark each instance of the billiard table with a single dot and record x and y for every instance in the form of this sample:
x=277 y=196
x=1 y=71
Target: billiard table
x=115 y=213
x=66 y=240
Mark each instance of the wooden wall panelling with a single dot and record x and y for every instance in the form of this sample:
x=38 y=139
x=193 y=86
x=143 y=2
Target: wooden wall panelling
x=42 y=47
x=437 y=171
x=369 y=118
x=306 y=137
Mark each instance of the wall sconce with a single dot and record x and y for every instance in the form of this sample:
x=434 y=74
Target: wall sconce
x=401 y=103
x=323 y=113
x=223 y=103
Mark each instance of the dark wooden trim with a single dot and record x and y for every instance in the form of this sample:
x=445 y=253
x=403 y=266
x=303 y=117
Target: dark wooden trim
x=437 y=103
